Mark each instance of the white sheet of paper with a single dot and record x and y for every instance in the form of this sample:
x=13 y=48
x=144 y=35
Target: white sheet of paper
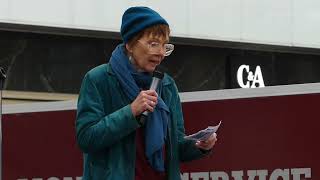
x=204 y=134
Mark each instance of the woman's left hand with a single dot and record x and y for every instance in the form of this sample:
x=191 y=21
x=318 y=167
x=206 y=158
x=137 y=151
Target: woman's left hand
x=207 y=144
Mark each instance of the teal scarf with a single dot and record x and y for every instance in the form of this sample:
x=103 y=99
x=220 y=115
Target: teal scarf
x=156 y=125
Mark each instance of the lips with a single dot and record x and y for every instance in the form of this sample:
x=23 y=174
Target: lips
x=156 y=62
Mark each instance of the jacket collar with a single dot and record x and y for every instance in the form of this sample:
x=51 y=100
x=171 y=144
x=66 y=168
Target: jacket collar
x=165 y=81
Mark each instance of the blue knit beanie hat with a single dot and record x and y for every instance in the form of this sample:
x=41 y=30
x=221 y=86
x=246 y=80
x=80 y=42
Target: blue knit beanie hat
x=136 y=19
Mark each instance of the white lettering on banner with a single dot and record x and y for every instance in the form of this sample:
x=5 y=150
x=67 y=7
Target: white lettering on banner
x=255 y=78
x=184 y=176
x=52 y=178
x=200 y=175
x=237 y=175
x=218 y=175
x=280 y=173
x=55 y=178
x=296 y=173
x=284 y=174
x=262 y=174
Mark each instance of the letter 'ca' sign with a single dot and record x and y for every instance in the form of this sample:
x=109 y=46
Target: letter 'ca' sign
x=252 y=79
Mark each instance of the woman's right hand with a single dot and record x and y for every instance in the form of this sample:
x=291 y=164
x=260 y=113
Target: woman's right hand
x=145 y=101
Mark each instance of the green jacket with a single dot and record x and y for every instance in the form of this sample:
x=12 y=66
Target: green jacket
x=106 y=128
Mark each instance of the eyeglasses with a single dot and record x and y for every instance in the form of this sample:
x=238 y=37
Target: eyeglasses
x=156 y=47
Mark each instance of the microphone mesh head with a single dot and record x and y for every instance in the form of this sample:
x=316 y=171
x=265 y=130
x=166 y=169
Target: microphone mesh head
x=158 y=74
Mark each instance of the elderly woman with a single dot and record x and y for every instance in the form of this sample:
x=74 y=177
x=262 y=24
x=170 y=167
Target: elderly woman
x=116 y=144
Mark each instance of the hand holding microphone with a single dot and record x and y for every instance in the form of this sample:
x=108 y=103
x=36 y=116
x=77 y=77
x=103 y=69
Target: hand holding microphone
x=146 y=101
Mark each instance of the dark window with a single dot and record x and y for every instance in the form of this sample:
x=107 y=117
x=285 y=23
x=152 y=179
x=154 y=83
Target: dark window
x=57 y=63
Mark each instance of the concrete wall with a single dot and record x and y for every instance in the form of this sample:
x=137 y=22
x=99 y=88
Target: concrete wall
x=285 y=22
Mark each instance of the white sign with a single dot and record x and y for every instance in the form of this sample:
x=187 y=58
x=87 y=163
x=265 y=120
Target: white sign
x=252 y=79
x=261 y=174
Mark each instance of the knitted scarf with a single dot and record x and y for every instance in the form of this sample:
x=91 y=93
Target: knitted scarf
x=156 y=125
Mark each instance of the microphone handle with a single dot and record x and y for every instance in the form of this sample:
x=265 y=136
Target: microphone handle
x=157 y=77
x=153 y=86
x=142 y=119
x=154 y=83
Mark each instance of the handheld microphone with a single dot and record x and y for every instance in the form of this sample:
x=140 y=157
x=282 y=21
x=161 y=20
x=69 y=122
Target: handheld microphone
x=156 y=78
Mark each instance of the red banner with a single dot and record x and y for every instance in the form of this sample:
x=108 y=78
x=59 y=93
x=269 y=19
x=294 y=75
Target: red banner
x=265 y=138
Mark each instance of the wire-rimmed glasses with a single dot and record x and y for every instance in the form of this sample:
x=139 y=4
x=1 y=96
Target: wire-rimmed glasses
x=156 y=47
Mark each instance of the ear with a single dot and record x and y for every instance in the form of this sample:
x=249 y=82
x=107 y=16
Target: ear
x=129 y=48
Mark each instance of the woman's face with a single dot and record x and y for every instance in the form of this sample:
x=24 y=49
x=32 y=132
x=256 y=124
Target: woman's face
x=148 y=52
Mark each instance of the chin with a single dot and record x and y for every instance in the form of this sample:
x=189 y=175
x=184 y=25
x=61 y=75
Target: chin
x=150 y=69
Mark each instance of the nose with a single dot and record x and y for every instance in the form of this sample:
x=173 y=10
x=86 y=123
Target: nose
x=162 y=51
x=160 y=54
